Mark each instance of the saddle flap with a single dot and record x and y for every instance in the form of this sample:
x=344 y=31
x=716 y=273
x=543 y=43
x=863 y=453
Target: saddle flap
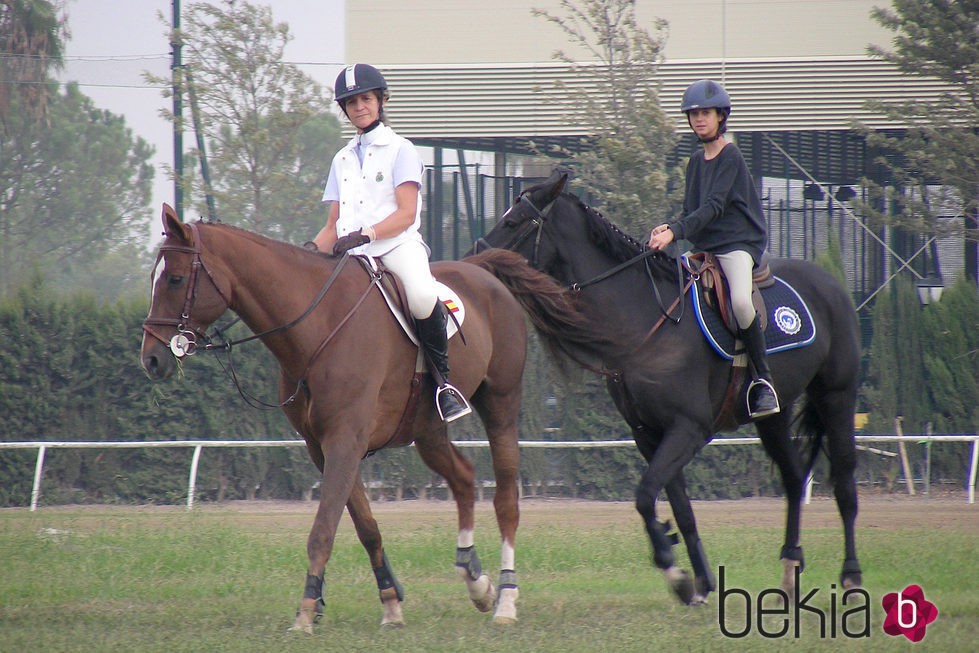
x=394 y=296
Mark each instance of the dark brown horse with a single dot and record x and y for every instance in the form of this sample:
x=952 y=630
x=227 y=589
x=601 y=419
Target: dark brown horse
x=670 y=385
x=350 y=379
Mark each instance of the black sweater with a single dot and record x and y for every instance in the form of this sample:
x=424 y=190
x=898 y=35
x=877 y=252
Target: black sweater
x=721 y=209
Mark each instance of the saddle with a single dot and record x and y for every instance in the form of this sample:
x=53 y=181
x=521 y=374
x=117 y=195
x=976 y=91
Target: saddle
x=394 y=295
x=715 y=289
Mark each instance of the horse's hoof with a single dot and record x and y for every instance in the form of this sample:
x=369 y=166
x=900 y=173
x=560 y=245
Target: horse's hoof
x=392 y=625
x=301 y=628
x=506 y=606
x=851 y=576
x=482 y=593
x=789 y=575
x=682 y=584
x=698 y=599
x=484 y=604
x=303 y=622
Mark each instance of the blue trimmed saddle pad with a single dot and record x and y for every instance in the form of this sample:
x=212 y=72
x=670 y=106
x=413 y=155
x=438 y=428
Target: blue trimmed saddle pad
x=790 y=323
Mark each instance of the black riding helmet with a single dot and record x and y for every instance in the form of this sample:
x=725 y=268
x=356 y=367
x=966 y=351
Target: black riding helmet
x=357 y=79
x=707 y=94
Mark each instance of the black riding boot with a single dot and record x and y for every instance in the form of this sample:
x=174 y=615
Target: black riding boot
x=431 y=332
x=762 y=400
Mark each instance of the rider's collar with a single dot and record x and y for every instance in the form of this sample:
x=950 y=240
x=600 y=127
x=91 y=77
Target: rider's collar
x=372 y=135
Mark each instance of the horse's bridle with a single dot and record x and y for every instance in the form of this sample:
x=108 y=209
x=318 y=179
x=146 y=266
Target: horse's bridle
x=536 y=224
x=184 y=343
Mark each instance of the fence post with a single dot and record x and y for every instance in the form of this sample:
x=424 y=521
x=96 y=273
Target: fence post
x=972 y=470
x=908 y=475
x=192 y=480
x=38 y=473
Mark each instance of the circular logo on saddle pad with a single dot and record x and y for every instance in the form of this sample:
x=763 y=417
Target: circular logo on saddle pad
x=787 y=320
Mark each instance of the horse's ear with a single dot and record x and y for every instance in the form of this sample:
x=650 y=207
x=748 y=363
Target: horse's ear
x=557 y=181
x=172 y=226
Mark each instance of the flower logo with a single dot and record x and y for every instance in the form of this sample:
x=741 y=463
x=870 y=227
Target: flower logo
x=908 y=613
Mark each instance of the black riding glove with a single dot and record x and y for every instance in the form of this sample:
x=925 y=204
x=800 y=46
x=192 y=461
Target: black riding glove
x=349 y=242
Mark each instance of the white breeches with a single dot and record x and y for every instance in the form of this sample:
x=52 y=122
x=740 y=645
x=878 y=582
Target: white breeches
x=409 y=262
x=737 y=266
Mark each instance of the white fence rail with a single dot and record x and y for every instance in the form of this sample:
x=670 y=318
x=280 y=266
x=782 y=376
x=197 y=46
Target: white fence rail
x=199 y=445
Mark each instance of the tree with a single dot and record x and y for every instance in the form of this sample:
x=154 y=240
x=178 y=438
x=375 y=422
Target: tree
x=269 y=131
x=623 y=163
x=31 y=44
x=74 y=182
x=932 y=165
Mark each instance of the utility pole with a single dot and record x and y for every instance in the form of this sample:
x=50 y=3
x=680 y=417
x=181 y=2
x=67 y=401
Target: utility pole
x=176 y=69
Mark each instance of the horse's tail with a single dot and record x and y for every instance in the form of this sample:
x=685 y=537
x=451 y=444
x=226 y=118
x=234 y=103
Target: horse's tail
x=809 y=432
x=551 y=307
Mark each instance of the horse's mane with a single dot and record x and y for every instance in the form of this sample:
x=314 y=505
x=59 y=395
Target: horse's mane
x=253 y=236
x=611 y=239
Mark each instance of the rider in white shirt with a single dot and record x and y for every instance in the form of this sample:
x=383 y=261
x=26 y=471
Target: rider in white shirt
x=374 y=195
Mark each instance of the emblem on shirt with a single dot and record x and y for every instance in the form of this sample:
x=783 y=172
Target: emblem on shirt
x=379 y=177
x=787 y=320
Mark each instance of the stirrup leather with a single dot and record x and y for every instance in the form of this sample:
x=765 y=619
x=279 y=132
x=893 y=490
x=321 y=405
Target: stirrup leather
x=460 y=400
x=762 y=413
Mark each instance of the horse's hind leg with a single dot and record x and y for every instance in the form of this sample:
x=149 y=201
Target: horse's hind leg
x=774 y=433
x=391 y=593
x=836 y=410
x=505 y=451
x=444 y=459
x=704 y=582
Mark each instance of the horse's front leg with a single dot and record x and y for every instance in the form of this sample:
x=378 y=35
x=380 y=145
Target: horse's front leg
x=677 y=447
x=339 y=473
x=694 y=593
x=388 y=587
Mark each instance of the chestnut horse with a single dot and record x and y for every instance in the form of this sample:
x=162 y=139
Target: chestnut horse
x=671 y=387
x=350 y=377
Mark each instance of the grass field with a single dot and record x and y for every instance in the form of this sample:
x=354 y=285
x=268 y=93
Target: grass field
x=229 y=577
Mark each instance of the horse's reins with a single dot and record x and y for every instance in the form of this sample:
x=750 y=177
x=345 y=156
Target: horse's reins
x=255 y=402
x=185 y=329
x=537 y=224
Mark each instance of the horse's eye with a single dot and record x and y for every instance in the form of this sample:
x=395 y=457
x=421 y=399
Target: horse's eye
x=175 y=280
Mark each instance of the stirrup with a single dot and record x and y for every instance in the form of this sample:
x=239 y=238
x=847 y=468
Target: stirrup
x=452 y=412
x=758 y=414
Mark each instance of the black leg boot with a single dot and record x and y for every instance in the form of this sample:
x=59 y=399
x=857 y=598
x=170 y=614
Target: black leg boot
x=431 y=332
x=762 y=400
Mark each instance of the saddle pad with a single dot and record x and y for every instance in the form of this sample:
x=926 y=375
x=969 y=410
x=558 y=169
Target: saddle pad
x=790 y=323
x=454 y=308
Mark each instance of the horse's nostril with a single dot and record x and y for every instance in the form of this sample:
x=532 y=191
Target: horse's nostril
x=152 y=367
